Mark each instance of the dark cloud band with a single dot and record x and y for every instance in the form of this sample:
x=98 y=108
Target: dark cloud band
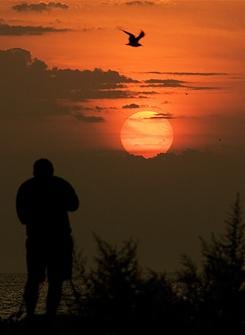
x=131 y=106
x=174 y=83
x=189 y=73
x=8 y=30
x=29 y=87
x=88 y=118
x=39 y=7
x=140 y=3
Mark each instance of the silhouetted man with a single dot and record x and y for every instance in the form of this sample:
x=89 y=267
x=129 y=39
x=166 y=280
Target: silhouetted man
x=43 y=203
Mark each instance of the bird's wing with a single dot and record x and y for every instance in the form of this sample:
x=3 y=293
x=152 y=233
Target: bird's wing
x=126 y=32
x=142 y=34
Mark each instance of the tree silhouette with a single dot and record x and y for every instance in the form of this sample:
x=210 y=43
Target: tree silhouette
x=158 y=306
x=215 y=294
x=190 y=288
x=224 y=272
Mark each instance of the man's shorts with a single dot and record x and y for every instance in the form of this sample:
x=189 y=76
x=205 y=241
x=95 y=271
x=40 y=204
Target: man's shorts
x=51 y=258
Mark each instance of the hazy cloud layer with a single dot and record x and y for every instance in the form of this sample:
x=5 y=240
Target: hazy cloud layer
x=88 y=108
x=190 y=73
x=165 y=82
x=89 y=29
x=165 y=203
x=27 y=86
x=174 y=83
x=147 y=92
x=156 y=116
x=204 y=88
x=39 y=7
x=161 y=116
x=88 y=118
x=140 y=3
x=11 y=30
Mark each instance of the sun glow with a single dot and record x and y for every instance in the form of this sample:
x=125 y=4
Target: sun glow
x=147 y=134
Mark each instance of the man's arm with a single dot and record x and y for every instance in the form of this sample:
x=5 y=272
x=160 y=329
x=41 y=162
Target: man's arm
x=71 y=198
x=20 y=205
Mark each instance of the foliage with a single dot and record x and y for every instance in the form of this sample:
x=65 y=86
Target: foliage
x=118 y=297
x=215 y=293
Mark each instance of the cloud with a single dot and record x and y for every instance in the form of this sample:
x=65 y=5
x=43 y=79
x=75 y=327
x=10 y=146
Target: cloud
x=29 y=87
x=110 y=94
x=174 y=83
x=131 y=106
x=140 y=3
x=205 y=88
x=94 y=109
x=147 y=92
x=168 y=116
x=97 y=109
x=190 y=73
x=164 y=83
x=88 y=118
x=39 y=7
x=8 y=30
x=89 y=29
x=156 y=116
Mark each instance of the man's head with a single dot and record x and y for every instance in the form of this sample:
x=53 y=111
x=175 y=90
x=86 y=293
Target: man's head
x=43 y=168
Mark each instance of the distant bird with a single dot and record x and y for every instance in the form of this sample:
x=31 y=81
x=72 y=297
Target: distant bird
x=134 y=41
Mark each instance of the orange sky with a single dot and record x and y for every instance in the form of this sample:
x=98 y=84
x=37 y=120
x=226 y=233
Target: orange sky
x=190 y=66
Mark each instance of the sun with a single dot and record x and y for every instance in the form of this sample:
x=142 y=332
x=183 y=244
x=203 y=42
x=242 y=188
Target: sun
x=147 y=134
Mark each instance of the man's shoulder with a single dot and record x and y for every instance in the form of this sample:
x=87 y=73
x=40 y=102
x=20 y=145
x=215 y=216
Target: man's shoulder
x=55 y=182
x=61 y=182
x=27 y=183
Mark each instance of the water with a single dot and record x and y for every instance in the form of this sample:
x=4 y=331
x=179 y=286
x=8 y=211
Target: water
x=11 y=293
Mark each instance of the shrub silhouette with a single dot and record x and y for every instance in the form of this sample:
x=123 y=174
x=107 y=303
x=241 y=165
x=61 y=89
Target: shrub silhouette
x=117 y=296
x=112 y=286
x=122 y=298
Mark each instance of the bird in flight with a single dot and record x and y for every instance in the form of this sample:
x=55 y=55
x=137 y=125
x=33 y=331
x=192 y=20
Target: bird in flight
x=133 y=40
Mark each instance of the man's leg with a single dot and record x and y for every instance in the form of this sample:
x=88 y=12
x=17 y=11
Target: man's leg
x=31 y=296
x=36 y=264
x=53 y=297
